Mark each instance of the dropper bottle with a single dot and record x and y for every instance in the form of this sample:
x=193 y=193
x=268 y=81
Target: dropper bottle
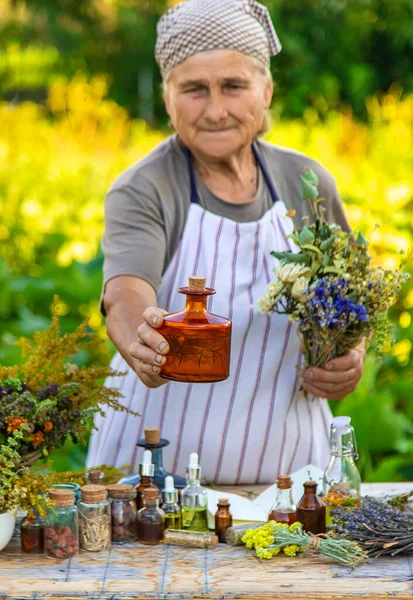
x=146 y=472
x=170 y=505
x=194 y=498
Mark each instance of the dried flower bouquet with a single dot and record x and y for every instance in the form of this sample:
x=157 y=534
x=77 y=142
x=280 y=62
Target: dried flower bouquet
x=329 y=288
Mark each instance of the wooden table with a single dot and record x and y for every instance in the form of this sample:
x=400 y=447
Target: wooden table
x=171 y=572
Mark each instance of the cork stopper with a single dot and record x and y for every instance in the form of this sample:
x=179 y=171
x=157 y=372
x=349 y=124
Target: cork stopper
x=92 y=494
x=223 y=502
x=121 y=490
x=62 y=497
x=284 y=482
x=150 y=493
x=95 y=476
x=310 y=483
x=197 y=284
x=152 y=435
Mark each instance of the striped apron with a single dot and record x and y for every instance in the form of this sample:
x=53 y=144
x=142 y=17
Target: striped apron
x=255 y=425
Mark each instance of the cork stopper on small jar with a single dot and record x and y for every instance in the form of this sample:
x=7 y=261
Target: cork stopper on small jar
x=95 y=476
x=197 y=284
x=152 y=435
x=284 y=482
x=62 y=497
x=121 y=491
x=150 y=494
x=92 y=494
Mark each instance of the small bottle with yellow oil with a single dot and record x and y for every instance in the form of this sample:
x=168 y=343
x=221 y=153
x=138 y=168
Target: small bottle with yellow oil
x=194 y=498
x=170 y=505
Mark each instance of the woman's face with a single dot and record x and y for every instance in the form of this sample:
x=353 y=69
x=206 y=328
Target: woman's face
x=216 y=102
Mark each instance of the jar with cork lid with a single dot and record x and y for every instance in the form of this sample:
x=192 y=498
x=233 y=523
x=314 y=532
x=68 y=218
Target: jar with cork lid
x=199 y=341
x=94 y=519
x=283 y=509
x=61 y=527
x=124 y=514
x=151 y=519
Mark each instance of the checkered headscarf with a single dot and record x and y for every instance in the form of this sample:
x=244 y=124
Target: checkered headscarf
x=200 y=25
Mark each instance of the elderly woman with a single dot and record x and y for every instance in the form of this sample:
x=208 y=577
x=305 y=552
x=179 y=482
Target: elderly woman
x=211 y=200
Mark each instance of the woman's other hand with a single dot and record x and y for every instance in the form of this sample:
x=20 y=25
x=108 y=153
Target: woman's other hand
x=340 y=376
x=150 y=349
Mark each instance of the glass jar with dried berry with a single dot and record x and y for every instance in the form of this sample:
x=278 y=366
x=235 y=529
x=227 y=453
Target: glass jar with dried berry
x=124 y=523
x=61 y=527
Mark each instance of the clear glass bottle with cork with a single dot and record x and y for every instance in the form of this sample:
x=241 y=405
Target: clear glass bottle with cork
x=199 y=341
x=170 y=505
x=311 y=511
x=122 y=498
x=61 y=527
x=283 y=510
x=194 y=498
x=341 y=481
x=151 y=519
x=223 y=519
x=146 y=473
x=94 y=519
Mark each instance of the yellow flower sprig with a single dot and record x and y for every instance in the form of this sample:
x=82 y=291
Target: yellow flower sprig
x=272 y=538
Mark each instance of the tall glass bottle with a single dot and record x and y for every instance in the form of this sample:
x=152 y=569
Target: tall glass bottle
x=283 y=509
x=155 y=444
x=199 y=341
x=311 y=511
x=341 y=482
x=146 y=472
x=194 y=498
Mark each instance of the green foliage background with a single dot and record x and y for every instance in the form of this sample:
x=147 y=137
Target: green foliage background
x=80 y=101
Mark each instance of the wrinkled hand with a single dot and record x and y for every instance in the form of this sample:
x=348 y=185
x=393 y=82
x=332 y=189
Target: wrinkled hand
x=340 y=376
x=150 y=349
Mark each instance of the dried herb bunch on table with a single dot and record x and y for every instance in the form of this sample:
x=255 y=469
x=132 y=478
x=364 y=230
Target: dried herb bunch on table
x=376 y=525
x=48 y=398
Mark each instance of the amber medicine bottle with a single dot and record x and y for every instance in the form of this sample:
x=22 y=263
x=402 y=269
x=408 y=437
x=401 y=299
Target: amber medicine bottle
x=199 y=342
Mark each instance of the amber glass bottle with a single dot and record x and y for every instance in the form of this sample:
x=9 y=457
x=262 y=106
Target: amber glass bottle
x=146 y=472
x=311 y=511
x=199 y=341
x=283 y=509
x=223 y=519
x=151 y=519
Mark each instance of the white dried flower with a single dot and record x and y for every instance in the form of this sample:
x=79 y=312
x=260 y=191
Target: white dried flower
x=299 y=288
x=265 y=304
x=289 y=272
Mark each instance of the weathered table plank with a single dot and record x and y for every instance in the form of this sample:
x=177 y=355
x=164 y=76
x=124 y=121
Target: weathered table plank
x=135 y=572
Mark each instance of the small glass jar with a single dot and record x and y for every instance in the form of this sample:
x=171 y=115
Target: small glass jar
x=151 y=519
x=61 y=527
x=69 y=486
x=32 y=535
x=223 y=519
x=95 y=477
x=124 y=513
x=94 y=519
